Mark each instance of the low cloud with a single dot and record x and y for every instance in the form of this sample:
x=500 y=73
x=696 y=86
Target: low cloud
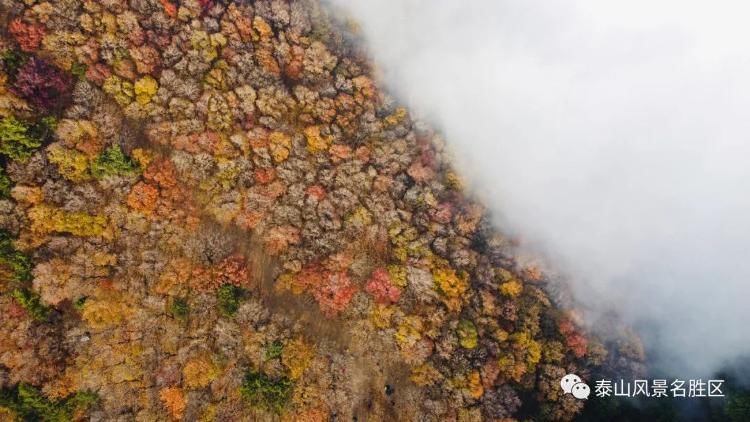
x=611 y=135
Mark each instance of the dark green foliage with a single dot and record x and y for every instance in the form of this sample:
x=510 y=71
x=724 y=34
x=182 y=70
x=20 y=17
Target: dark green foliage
x=735 y=407
x=628 y=409
x=30 y=405
x=18 y=139
x=79 y=70
x=17 y=263
x=15 y=139
x=5 y=184
x=80 y=303
x=12 y=60
x=180 y=309
x=229 y=298
x=43 y=129
x=81 y=400
x=738 y=406
x=274 y=350
x=480 y=243
x=262 y=392
x=31 y=301
x=112 y=162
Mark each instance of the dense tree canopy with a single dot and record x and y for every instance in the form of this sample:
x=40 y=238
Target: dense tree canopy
x=211 y=211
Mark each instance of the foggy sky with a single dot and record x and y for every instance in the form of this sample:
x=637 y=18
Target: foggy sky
x=612 y=135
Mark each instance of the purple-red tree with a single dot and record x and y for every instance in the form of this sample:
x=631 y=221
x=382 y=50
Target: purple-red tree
x=43 y=85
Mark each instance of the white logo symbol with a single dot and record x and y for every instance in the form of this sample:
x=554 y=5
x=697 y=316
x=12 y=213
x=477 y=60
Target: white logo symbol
x=581 y=391
x=572 y=384
x=567 y=382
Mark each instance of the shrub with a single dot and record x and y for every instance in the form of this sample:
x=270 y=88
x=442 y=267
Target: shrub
x=12 y=60
x=44 y=128
x=112 y=162
x=467 y=334
x=274 y=350
x=18 y=263
x=262 y=392
x=179 y=309
x=80 y=303
x=5 y=184
x=16 y=141
x=30 y=405
x=229 y=298
x=79 y=70
x=32 y=303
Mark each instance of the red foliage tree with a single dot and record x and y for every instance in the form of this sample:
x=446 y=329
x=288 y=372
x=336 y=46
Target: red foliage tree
x=169 y=8
x=265 y=175
x=28 y=36
x=233 y=270
x=573 y=338
x=43 y=85
x=206 y=4
x=334 y=294
x=382 y=288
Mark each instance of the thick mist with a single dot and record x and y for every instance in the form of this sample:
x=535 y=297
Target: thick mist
x=612 y=135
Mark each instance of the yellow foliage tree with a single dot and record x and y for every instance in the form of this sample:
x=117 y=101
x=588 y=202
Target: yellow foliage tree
x=398 y=274
x=381 y=316
x=425 y=374
x=451 y=286
x=108 y=308
x=71 y=164
x=46 y=219
x=200 y=371
x=120 y=89
x=396 y=117
x=509 y=368
x=409 y=332
x=8 y=415
x=145 y=88
x=279 y=144
x=296 y=357
x=476 y=390
x=315 y=141
x=512 y=288
x=523 y=342
x=291 y=283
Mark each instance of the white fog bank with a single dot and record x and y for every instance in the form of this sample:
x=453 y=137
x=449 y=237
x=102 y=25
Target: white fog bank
x=615 y=136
